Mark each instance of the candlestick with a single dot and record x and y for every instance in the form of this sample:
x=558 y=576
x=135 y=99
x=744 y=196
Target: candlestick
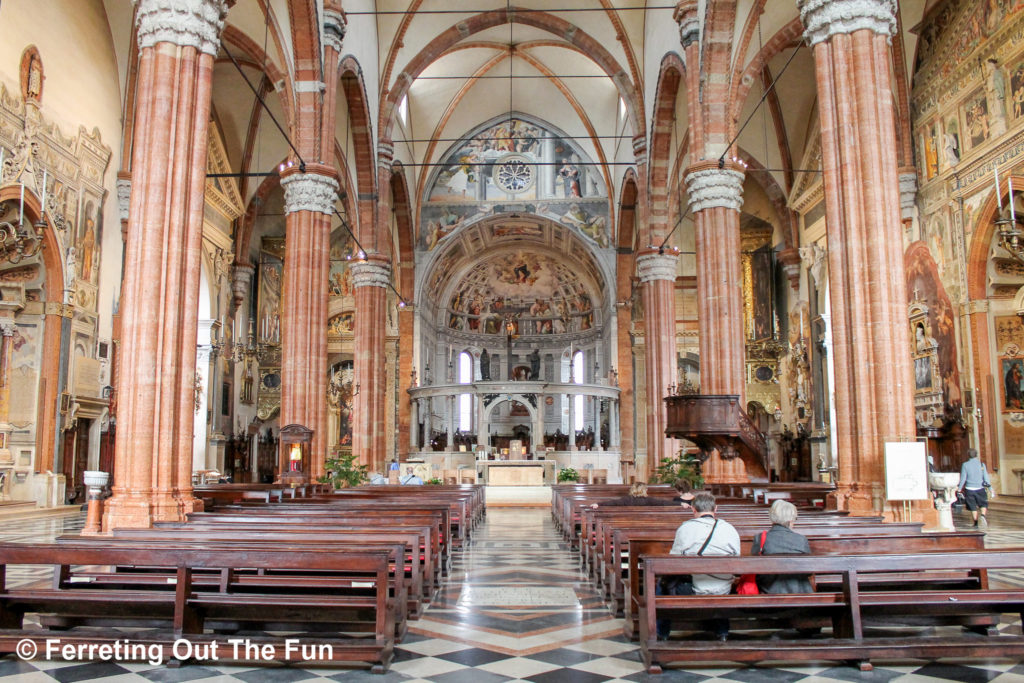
x=42 y=211
x=999 y=198
x=1013 y=212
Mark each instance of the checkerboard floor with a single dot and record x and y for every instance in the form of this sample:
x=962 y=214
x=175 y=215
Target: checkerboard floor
x=516 y=609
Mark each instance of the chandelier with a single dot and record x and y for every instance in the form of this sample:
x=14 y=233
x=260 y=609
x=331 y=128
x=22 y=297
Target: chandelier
x=238 y=352
x=1011 y=237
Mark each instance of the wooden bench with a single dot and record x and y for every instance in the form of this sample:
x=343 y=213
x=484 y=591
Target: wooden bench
x=849 y=609
x=639 y=543
x=185 y=606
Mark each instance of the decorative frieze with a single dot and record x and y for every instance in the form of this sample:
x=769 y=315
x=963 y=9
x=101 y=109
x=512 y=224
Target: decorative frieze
x=656 y=266
x=367 y=274
x=309 y=192
x=825 y=18
x=715 y=187
x=186 y=23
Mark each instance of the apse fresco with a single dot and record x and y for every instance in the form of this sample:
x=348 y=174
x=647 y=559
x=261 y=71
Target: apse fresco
x=531 y=293
x=515 y=166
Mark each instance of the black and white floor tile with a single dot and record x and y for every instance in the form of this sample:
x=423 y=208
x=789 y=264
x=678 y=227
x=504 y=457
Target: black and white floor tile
x=515 y=609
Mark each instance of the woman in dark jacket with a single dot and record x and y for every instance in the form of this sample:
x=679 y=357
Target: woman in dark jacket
x=782 y=540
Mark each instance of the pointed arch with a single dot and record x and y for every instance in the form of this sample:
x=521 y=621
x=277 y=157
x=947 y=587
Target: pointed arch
x=673 y=70
x=350 y=73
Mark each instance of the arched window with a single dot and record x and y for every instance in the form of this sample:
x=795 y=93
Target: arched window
x=465 y=400
x=577 y=377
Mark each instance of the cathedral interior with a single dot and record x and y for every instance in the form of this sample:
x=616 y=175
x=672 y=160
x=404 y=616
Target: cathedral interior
x=441 y=233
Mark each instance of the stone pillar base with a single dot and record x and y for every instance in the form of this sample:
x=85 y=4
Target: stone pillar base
x=127 y=511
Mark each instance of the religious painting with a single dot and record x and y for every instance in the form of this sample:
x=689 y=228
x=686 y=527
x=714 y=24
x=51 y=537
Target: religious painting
x=1012 y=370
x=340 y=324
x=88 y=238
x=975 y=117
x=1017 y=89
x=931 y=151
x=518 y=229
x=340 y=276
x=269 y=319
x=1009 y=334
x=761 y=266
x=594 y=227
x=923 y=374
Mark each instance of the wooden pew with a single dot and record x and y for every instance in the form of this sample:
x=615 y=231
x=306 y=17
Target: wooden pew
x=850 y=609
x=639 y=543
x=187 y=605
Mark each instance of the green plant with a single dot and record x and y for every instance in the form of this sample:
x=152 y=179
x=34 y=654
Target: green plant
x=684 y=468
x=433 y=481
x=344 y=471
x=568 y=474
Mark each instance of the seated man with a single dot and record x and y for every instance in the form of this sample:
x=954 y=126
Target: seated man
x=410 y=477
x=705 y=534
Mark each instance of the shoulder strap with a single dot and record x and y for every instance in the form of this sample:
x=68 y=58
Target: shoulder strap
x=708 y=539
x=764 y=535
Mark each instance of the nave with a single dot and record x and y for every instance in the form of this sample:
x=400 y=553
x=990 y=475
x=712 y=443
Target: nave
x=515 y=608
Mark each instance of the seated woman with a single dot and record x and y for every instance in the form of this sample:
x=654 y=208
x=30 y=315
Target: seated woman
x=637 y=496
x=686 y=494
x=782 y=540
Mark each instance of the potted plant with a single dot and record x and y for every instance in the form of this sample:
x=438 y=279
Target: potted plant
x=433 y=481
x=344 y=472
x=568 y=475
x=684 y=468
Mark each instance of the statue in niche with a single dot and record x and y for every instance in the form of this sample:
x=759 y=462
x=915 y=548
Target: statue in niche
x=485 y=365
x=31 y=75
x=995 y=89
x=534 y=359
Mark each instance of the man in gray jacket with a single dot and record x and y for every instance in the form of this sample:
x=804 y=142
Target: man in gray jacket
x=973 y=482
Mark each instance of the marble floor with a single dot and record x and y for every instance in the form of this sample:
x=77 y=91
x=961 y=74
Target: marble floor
x=516 y=609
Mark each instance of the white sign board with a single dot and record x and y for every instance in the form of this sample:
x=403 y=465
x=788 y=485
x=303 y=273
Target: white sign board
x=906 y=471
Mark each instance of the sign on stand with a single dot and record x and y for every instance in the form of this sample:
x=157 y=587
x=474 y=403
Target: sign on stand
x=906 y=473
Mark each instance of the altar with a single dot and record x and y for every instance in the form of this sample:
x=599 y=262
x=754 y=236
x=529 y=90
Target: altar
x=516 y=472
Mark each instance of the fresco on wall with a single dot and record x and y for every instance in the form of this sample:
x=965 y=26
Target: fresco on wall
x=923 y=282
x=975 y=118
x=515 y=166
x=535 y=294
x=340 y=277
x=271 y=270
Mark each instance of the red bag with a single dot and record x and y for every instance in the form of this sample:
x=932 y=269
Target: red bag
x=747 y=583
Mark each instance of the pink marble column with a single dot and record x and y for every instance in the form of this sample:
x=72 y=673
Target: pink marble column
x=153 y=454
x=7 y=328
x=716 y=196
x=309 y=204
x=871 y=346
x=370 y=279
x=657 y=273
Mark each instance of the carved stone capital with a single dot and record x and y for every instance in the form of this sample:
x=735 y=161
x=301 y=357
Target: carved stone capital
x=7 y=327
x=335 y=25
x=124 y=196
x=309 y=192
x=709 y=188
x=240 y=282
x=685 y=15
x=640 y=149
x=369 y=274
x=825 y=18
x=655 y=266
x=186 y=23
x=385 y=154
x=908 y=194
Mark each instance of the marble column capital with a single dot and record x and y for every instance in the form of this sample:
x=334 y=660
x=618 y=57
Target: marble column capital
x=124 y=196
x=185 y=23
x=313 y=190
x=371 y=274
x=335 y=25
x=685 y=15
x=823 y=19
x=656 y=266
x=7 y=327
x=709 y=186
x=908 y=194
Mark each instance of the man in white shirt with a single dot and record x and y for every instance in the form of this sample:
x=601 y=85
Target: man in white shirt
x=410 y=477
x=705 y=534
